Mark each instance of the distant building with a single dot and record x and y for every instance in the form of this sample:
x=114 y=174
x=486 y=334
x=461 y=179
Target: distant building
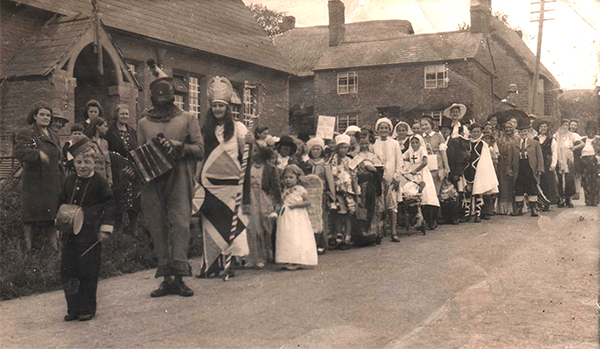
x=48 y=53
x=359 y=71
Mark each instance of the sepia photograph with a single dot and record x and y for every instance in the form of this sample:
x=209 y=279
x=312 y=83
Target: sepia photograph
x=288 y=174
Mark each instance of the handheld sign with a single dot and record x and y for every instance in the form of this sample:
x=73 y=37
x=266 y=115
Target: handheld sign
x=325 y=127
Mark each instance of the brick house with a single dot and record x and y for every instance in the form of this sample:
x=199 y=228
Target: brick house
x=359 y=71
x=48 y=53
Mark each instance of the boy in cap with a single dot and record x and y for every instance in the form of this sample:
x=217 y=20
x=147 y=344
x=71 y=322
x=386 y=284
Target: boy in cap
x=530 y=167
x=390 y=154
x=80 y=263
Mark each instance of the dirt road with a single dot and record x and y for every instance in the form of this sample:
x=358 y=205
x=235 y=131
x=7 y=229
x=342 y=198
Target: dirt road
x=507 y=283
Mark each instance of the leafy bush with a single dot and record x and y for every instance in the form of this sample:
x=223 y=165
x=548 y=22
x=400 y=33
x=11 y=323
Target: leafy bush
x=23 y=273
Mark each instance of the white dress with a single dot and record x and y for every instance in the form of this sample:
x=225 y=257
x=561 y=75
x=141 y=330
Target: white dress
x=295 y=242
x=414 y=159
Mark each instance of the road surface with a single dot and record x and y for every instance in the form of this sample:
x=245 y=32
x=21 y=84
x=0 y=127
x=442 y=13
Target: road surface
x=506 y=283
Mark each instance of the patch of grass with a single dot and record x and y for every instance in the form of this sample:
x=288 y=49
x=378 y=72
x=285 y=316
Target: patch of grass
x=23 y=274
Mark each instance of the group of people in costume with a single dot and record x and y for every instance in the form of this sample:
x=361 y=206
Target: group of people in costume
x=265 y=199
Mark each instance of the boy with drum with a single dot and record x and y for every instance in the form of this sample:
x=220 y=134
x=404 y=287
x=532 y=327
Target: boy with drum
x=80 y=265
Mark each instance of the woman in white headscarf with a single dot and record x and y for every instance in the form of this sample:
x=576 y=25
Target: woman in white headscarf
x=402 y=133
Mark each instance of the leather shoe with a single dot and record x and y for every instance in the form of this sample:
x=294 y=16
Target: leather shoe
x=476 y=219
x=162 y=290
x=395 y=238
x=181 y=289
x=86 y=317
x=71 y=317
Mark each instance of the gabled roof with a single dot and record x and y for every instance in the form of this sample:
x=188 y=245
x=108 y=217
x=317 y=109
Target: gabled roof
x=513 y=43
x=44 y=51
x=222 y=27
x=407 y=49
x=304 y=46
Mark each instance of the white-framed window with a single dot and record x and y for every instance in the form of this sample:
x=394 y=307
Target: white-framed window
x=343 y=121
x=347 y=83
x=194 y=96
x=250 y=103
x=235 y=107
x=180 y=102
x=436 y=76
x=435 y=115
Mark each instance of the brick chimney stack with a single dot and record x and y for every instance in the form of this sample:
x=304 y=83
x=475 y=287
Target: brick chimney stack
x=481 y=13
x=337 y=22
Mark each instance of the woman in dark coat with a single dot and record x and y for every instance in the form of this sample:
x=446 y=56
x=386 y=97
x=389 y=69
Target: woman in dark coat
x=38 y=149
x=121 y=139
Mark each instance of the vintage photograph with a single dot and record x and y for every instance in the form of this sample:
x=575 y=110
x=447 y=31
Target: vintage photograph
x=385 y=174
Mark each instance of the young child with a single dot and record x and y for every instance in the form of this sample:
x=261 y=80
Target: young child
x=315 y=164
x=262 y=197
x=80 y=264
x=76 y=130
x=530 y=167
x=390 y=154
x=416 y=159
x=345 y=190
x=295 y=244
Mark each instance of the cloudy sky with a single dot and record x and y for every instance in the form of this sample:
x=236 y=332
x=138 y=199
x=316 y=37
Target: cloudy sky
x=571 y=42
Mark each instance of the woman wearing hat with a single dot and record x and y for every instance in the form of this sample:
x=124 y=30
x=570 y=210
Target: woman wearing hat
x=589 y=164
x=224 y=141
x=456 y=112
x=548 y=144
x=38 y=149
x=567 y=143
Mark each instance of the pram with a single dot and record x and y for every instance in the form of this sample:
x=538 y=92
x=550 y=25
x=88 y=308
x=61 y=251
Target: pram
x=411 y=215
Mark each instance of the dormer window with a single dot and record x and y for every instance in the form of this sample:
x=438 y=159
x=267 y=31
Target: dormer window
x=347 y=83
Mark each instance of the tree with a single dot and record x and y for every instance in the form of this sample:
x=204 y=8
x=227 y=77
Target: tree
x=503 y=17
x=269 y=20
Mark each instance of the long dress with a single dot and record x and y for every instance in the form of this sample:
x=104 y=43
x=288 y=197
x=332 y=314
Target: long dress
x=219 y=178
x=323 y=170
x=507 y=163
x=548 y=178
x=295 y=242
x=259 y=227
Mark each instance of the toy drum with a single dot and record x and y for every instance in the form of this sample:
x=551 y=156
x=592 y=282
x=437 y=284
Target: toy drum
x=69 y=219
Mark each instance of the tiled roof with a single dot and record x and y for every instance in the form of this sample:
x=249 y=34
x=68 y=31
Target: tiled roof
x=304 y=46
x=407 y=49
x=222 y=27
x=45 y=51
x=515 y=44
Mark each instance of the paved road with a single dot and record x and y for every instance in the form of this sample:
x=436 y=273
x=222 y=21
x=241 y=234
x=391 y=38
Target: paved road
x=508 y=283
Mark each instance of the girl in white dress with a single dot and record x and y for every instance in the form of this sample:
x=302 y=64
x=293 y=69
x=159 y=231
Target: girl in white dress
x=416 y=158
x=295 y=243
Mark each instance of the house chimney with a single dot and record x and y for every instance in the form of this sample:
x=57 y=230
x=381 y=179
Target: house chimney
x=337 y=22
x=288 y=23
x=481 y=13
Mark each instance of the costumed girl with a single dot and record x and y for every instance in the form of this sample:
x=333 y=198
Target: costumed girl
x=296 y=245
x=436 y=151
x=224 y=141
x=263 y=186
x=549 y=148
x=316 y=165
x=401 y=134
x=416 y=158
x=567 y=143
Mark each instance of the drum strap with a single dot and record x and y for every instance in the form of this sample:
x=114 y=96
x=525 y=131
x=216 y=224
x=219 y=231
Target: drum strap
x=84 y=191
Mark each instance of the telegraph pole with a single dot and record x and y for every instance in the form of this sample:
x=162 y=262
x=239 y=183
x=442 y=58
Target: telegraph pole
x=536 y=75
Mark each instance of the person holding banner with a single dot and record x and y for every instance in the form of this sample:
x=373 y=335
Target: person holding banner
x=221 y=174
x=167 y=200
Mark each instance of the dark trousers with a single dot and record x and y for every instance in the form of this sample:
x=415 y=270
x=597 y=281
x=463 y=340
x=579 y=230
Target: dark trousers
x=525 y=182
x=566 y=185
x=590 y=180
x=82 y=271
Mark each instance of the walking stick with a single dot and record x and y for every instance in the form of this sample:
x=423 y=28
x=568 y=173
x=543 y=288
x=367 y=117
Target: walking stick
x=227 y=272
